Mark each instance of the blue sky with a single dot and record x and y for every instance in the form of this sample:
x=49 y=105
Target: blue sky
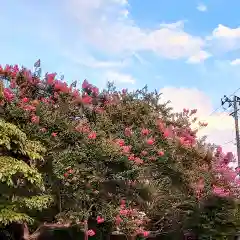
x=188 y=49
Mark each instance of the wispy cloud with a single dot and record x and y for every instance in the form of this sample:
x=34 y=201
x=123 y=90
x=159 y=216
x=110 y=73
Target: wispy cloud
x=235 y=62
x=202 y=7
x=89 y=61
x=117 y=77
x=200 y=57
x=103 y=28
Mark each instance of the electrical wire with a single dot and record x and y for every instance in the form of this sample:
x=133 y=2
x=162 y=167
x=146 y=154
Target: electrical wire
x=215 y=110
x=221 y=105
x=232 y=141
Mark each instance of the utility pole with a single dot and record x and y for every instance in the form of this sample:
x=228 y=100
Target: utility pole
x=234 y=103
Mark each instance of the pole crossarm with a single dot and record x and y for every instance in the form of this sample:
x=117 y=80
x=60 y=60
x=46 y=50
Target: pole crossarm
x=234 y=102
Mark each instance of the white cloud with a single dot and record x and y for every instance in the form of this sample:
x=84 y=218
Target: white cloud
x=101 y=25
x=200 y=57
x=117 y=77
x=122 y=2
x=220 y=129
x=125 y=13
x=202 y=7
x=224 y=38
x=87 y=60
x=225 y=32
x=235 y=62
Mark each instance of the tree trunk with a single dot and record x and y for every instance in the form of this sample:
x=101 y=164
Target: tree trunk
x=25 y=232
x=118 y=237
x=122 y=237
x=132 y=237
x=85 y=230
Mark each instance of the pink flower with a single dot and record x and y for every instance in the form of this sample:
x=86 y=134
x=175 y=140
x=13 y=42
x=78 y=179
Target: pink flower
x=12 y=85
x=61 y=86
x=221 y=192
x=75 y=93
x=152 y=158
x=128 y=132
x=54 y=134
x=124 y=91
x=228 y=158
x=8 y=94
x=50 y=78
x=43 y=129
x=55 y=95
x=29 y=108
x=90 y=233
x=85 y=84
x=144 y=153
x=237 y=181
x=118 y=220
x=120 y=142
x=100 y=219
x=200 y=184
x=150 y=141
x=219 y=149
x=25 y=100
x=86 y=99
x=145 y=131
x=95 y=91
x=138 y=160
x=123 y=212
x=160 y=153
x=126 y=149
x=146 y=233
x=166 y=133
x=131 y=157
x=92 y=135
x=181 y=140
x=99 y=110
x=83 y=128
x=35 y=119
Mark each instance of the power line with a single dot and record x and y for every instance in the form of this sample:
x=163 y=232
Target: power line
x=234 y=102
x=232 y=141
x=221 y=104
x=231 y=103
x=216 y=109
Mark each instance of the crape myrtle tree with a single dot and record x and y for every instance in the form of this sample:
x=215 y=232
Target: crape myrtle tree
x=120 y=157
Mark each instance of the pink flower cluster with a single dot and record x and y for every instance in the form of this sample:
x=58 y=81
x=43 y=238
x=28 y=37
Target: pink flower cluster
x=8 y=94
x=183 y=135
x=131 y=218
x=225 y=181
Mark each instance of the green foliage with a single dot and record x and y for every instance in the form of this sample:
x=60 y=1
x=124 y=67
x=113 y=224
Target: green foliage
x=21 y=183
x=11 y=167
x=8 y=216
x=213 y=217
x=14 y=140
